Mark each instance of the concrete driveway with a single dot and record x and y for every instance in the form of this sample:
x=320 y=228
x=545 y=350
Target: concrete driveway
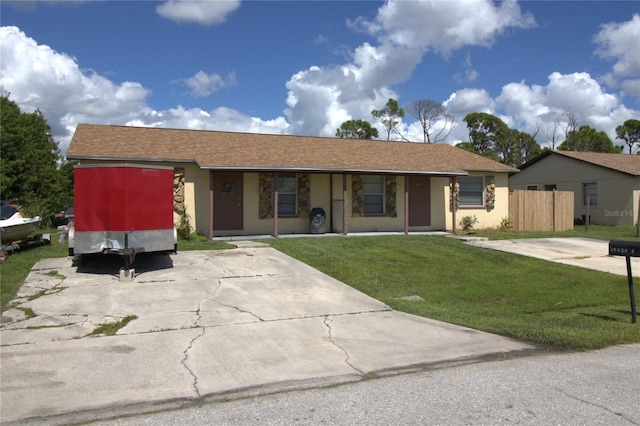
x=583 y=252
x=211 y=325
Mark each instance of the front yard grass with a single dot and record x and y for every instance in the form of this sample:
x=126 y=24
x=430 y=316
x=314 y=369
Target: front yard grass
x=598 y=232
x=548 y=304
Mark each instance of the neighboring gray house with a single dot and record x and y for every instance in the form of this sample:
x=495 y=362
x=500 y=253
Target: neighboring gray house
x=610 y=181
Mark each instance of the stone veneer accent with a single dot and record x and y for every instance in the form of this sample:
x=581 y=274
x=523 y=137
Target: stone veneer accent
x=454 y=195
x=265 y=205
x=390 y=196
x=490 y=192
x=178 y=191
x=304 y=195
x=357 y=198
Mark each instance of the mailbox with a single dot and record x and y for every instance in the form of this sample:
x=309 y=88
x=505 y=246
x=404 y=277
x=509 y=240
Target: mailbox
x=628 y=249
x=624 y=248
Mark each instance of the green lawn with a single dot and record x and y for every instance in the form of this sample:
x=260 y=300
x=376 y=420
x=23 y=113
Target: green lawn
x=549 y=304
x=599 y=232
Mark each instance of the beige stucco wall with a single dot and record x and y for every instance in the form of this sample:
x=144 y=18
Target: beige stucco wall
x=617 y=204
x=486 y=219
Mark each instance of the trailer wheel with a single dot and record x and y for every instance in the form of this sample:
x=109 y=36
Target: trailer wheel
x=77 y=260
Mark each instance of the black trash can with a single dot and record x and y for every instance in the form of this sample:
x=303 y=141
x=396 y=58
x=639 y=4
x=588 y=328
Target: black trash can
x=318 y=220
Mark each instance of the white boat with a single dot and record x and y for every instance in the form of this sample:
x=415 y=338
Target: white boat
x=14 y=225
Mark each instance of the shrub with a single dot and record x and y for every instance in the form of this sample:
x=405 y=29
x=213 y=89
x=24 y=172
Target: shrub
x=468 y=222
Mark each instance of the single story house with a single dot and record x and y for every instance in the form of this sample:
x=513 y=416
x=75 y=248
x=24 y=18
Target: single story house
x=230 y=183
x=611 y=183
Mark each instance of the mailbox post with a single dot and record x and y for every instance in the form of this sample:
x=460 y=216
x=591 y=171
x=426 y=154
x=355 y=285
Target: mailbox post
x=628 y=249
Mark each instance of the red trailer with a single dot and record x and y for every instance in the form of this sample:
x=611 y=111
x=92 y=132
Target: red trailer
x=122 y=209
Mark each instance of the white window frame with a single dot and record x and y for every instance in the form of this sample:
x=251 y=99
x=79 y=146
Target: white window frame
x=471 y=187
x=373 y=188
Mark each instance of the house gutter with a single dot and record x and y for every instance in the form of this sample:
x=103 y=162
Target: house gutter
x=445 y=173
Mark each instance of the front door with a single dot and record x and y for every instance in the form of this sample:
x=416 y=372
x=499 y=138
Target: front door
x=227 y=201
x=419 y=200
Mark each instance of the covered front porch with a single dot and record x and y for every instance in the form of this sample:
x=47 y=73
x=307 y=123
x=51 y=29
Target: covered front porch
x=277 y=203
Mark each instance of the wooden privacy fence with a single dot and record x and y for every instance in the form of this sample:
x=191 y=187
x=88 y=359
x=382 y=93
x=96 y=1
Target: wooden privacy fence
x=541 y=210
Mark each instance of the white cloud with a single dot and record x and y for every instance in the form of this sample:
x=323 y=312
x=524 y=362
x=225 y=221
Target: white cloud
x=37 y=77
x=580 y=94
x=204 y=12
x=621 y=42
x=203 y=84
x=462 y=103
x=444 y=25
x=222 y=118
x=321 y=98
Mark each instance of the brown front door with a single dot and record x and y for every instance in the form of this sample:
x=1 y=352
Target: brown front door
x=227 y=201
x=419 y=201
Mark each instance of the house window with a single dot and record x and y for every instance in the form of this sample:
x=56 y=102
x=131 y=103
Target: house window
x=589 y=190
x=532 y=187
x=286 y=183
x=373 y=187
x=471 y=191
x=550 y=187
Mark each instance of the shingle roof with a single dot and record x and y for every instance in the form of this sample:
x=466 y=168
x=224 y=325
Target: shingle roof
x=249 y=151
x=624 y=163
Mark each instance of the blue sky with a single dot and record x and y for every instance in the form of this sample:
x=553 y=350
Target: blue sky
x=304 y=67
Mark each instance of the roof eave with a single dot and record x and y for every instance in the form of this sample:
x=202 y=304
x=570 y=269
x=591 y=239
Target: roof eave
x=339 y=170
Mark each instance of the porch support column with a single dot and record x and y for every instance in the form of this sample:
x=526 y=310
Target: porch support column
x=406 y=205
x=211 y=193
x=345 y=231
x=275 y=205
x=454 y=204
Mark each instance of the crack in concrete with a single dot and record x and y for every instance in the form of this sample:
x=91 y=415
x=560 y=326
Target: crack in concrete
x=347 y=357
x=186 y=358
x=231 y=306
x=577 y=398
x=186 y=351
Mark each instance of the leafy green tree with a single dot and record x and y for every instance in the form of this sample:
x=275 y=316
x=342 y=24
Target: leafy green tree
x=586 y=138
x=356 y=129
x=629 y=132
x=492 y=138
x=389 y=116
x=32 y=169
x=487 y=133
x=525 y=146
